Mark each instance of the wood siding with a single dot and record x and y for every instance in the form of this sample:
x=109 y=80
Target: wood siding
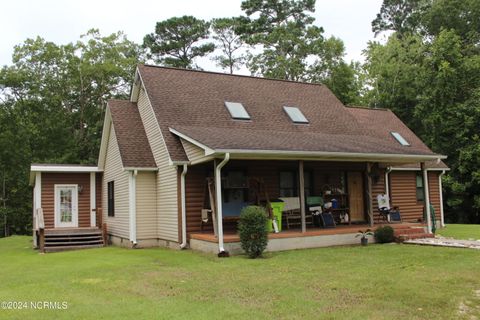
x=49 y=180
x=166 y=180
x=378 y=187
x=98 y=186
x=403 y=194
x=119 y=224
x=146 y=196
x=193 y=152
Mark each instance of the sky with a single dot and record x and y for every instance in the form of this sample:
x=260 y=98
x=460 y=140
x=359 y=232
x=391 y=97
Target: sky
x=63 y=21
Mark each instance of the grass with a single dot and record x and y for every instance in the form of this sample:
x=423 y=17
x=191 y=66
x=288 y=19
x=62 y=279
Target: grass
x=376 y=282
x=461 y=231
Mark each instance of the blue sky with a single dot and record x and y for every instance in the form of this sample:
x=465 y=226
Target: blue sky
x=64 y=21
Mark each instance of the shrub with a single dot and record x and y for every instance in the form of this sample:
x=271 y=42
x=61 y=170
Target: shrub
x=384 y=234
x=253 y=231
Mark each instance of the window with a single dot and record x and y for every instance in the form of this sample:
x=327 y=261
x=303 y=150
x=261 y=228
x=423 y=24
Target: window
x=111 y=199
x=400 y=138
x=420 y=191
x=295 y=114
x=237 y=110
x=289 y=183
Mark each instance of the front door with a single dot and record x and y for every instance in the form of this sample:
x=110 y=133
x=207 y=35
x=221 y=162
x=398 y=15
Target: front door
x=66 y=206
x=355 y=196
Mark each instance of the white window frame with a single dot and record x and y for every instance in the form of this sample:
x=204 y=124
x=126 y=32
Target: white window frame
x=237 y=110
x=296 y=115
x=400 y=139
x=74 y=223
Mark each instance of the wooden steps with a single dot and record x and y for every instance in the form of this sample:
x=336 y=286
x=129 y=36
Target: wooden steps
x=73 y=239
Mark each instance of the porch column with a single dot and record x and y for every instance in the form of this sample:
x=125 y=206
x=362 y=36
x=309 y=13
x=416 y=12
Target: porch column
x=369 y=193
x=442 y=217
x=132 y=202
x=93 y=203
x=427 y=197
x=301 y=191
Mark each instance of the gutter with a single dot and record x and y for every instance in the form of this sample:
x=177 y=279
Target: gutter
x=184 y=208
x=218 y=191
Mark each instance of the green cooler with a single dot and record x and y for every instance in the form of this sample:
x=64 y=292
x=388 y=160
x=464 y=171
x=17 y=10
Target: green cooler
x=277 y=208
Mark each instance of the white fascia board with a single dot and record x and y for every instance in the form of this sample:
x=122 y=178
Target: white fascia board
x=107 y=123
x=322 y=155
x=208 y=150
x=135 y=87
x=139 y=169
x=418 y=169
x=57 y=168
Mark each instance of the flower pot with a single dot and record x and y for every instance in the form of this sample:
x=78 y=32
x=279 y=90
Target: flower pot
x=364 y=241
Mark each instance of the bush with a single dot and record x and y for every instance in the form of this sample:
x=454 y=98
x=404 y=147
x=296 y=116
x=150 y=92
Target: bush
x=384 y=234
x=253 y=231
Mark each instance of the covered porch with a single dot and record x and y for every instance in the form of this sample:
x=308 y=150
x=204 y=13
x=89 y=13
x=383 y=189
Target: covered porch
x=213 y=205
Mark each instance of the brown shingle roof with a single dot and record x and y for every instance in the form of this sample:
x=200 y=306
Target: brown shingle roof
x=192 y=102
x=131 y=138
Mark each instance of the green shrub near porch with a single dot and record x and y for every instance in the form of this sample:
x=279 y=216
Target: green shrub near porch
x=253 y=230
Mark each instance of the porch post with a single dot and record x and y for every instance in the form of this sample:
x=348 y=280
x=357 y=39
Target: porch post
x=427 y=197
x=369 y=193
x=218 y=191
x=93 y=204
x=301 y=191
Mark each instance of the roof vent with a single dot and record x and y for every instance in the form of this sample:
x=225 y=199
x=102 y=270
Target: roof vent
x=295 y=114
x=400 y=138
x=237 y=110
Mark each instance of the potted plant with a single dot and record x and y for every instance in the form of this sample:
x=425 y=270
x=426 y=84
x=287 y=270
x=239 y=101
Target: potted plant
x=364 y=235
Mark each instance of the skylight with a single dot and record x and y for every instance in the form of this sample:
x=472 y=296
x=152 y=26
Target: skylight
x=237 y=111
x=399 y=138
x=295 y=114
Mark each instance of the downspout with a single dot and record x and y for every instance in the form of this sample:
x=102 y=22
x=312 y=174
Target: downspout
x=427 y=197
x=442 y=217
x=387 y=182
x=133 y=207
x=184 y=208
x=218 y=191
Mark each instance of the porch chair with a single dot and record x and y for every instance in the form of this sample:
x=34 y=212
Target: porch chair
x=388 y=213
x=292 y=214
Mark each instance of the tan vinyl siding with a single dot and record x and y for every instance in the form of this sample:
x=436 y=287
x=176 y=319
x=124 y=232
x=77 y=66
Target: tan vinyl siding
x=193 y=152
x=146 y=205
x=167 y=206
x=118 y=225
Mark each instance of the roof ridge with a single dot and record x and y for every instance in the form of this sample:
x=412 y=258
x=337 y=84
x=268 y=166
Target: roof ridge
x=232 y=75
x=368 y=108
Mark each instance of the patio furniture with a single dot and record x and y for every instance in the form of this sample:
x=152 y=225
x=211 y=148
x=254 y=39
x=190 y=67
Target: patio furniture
x=388 y=213
x=292 y=212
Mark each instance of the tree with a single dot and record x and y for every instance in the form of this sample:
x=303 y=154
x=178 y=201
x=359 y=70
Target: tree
x=229 y=42
x=401 y=16
x=52 y=106
x=177 y=41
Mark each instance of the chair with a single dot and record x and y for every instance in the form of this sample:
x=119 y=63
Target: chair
x=388 y=213
x=292 y=212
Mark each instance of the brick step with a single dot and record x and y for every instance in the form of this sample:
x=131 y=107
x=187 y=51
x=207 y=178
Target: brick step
x=413 y=236
x=409 y=231
x=77 y=247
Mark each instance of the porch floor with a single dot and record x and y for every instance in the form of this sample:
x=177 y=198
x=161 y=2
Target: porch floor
x=230 y=236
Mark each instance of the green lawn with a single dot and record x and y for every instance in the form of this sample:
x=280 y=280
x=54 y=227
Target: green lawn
x=461 y=231
x=376 y=282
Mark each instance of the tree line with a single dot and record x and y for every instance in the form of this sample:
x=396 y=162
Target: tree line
x=53 y=97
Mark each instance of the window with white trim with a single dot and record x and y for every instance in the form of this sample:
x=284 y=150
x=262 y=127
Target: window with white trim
x=400 y=138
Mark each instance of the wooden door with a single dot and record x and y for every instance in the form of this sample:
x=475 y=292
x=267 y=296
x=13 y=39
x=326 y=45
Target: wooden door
x=355 y=196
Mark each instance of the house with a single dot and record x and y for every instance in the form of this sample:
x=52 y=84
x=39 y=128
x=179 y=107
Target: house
x=190 y=148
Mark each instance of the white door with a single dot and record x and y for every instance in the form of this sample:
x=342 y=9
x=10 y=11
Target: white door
x=66 y=206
